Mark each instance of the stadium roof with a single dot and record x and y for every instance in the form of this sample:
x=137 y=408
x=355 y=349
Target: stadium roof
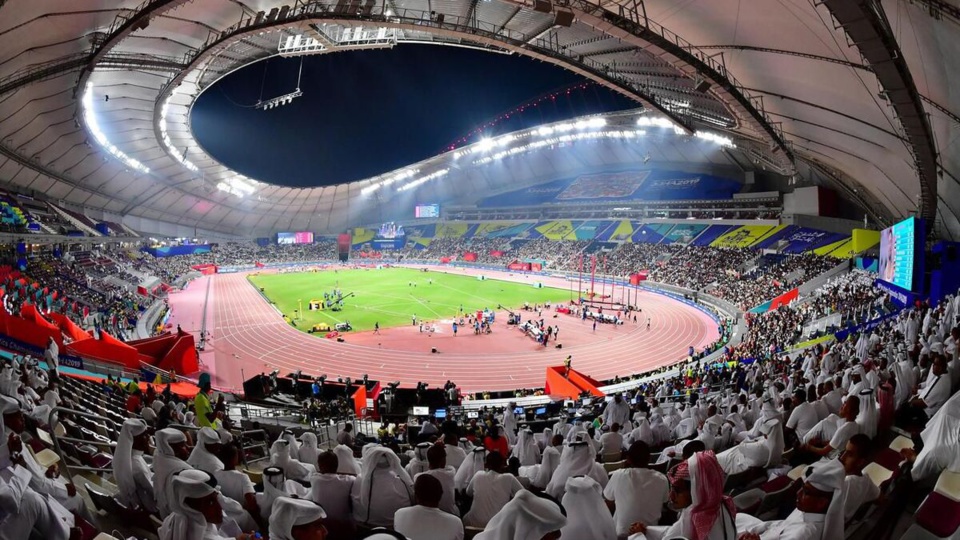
x=856 y=91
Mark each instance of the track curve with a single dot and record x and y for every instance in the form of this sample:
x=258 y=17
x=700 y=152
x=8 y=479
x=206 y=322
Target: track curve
x=250 y=337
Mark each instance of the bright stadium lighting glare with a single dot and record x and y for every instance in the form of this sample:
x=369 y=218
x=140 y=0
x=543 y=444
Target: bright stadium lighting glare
x=421 y=180
x=90 y=118
x=485 y=144
x=237 y=186
x=545 y=131
x=654 y=121
x=721 y=140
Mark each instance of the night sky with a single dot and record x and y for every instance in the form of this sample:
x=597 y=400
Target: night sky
x=363 y=113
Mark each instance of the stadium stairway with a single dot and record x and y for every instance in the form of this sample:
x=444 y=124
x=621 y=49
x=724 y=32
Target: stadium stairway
x=571 y=386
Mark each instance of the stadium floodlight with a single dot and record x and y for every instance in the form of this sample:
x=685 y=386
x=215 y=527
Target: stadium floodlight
x=545 y=131
x=90 y=118
x=485 y=144
x=654 y=121
x=421 y=180
x=721 y=140
x=237 y=186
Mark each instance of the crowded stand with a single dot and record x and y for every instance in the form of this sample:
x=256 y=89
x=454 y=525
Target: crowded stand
x=848 y=430
x=749 y=438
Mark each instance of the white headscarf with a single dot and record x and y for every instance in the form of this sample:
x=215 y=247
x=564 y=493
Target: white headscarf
x=419 y=462
x=274 y=488
x=829 y=475
x=527 y=450
x=587 y=516
x=868 y=416
x=291 y=439
x=185 y=523
x=577 y=459
x=123 y=461
x=309 y=451
x=165 y=465
x=346 y=463
x=200 y=457
x=280 y=457
x=641 y=433
x=377 y=460
x=525 y=517
x=775 y=444
x=289 y=513
x=548 y=466
x=469 y=467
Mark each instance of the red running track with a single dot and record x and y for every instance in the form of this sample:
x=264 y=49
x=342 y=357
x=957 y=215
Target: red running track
x=249 y=336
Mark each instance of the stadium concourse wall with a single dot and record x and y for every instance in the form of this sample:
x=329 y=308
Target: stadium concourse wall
x=30 y=332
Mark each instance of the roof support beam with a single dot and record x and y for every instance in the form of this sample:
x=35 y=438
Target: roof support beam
x=632 y=26
x=867 y=27
x=123 y=26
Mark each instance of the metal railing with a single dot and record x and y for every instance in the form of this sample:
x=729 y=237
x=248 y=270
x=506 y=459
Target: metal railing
x=54 y=418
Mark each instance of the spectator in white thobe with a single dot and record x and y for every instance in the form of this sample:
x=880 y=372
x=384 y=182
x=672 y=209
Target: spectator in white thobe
x=133 y=475
x=635 y=493
x=426 y=521
x=382 y=489
x=491 y=489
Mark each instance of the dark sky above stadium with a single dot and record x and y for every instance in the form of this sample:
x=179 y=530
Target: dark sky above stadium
x=363 y=113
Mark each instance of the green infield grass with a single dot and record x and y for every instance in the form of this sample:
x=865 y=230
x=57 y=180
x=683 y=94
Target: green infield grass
x=392 y=296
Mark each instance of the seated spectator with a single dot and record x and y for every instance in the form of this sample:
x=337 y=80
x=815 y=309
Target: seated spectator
x=332 y=491
x=587 y=516
x=819 y=513
x=297 y=519
x=635 y=493
x=195 y=511
x=859 y=489
x=491 y=490
x=437 y=459
x=394 y=489
x=133 y=475
x=426 y=521
x=526 y=517
x=168 y=459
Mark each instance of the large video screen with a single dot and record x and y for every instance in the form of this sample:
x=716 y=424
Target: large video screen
x=389 y=231
x=427 y=211
x=295 y=237
x=897 y=255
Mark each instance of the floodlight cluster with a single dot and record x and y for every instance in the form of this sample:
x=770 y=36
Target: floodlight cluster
x=422 y=179
x=165 y=137
x=90 y=118
x=661 y=122
x=239 y=186
x=561 y=139
x=402 y=175
x=721 y=140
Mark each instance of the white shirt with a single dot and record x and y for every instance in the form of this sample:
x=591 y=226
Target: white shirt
x=490 y=492
x=859 y=490
x=423 y=523
x=455 y=455
x=802 y=419
x=611 y=443
x=798 y=526
x=332 y=493
x=834 y=400
x=935 y=393
x=234 y=484
x=616 y=413
x=840 y=437
x=639 y=495
x=446 y=477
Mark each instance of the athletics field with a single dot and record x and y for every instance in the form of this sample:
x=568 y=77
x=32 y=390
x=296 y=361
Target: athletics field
x=391 y=296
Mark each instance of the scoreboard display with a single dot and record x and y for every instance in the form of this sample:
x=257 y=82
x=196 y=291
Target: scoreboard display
x=898 y=253
x=304 y=237
x=427 y=211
